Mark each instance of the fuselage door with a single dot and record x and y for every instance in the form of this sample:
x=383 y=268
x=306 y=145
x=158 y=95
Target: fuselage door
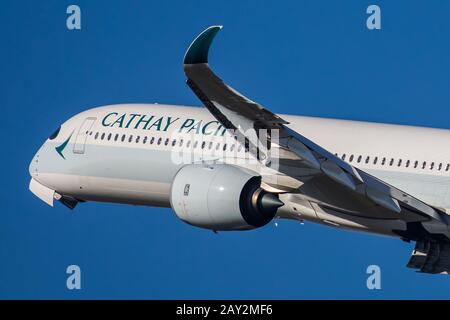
x=80 y=141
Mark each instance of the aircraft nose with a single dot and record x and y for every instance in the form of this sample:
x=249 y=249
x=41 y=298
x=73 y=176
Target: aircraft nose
x=33 y=168
x=39 y=182
x=36 y=163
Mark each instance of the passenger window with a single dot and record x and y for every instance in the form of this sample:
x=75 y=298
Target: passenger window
x=152 y=140
x=203 y=144
x=188 y=144
x=343 y=156
x=407 y=163
x=351 y=158
x=138 y=138
x=399 y=162
x=195 y=144
x=159 y=141
x=383 y=161
x=174 y=142
x=144 y=141
x=375 y=160
x=116 y=137
x=416 y=163
x=432 y=166
x=367 y=159
x=123 y=138
x=218 y=145
x=109 y=136
x=130 y=138
x=359 y=159
x=166 y=142
x=447 y=167
x=440 y=166
x=391 y=162
x=232 y=147
x=181 y=142
x=210 y=145
x=224 y=146
x=96 y=136
x=424 y=164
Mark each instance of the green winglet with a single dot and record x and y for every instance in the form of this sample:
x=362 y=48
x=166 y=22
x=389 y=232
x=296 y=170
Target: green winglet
x=198 y=50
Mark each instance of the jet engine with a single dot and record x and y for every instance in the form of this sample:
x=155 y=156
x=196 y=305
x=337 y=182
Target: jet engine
x=222 y=197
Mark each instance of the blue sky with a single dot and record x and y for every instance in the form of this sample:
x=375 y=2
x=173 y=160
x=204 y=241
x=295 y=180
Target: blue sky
x=300 y=57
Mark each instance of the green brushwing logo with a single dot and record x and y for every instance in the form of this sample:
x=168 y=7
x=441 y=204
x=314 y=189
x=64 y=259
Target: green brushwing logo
x=62 y=146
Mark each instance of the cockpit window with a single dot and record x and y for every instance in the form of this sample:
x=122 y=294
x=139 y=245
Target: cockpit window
x=54 y=134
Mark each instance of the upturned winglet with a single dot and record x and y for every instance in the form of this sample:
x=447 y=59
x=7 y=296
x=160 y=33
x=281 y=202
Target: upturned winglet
x=198 y=50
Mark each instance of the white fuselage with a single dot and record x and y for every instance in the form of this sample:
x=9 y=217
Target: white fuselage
x=124 y=153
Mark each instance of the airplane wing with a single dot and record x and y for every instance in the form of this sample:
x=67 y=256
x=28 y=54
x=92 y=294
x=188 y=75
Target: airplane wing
x=310 y=161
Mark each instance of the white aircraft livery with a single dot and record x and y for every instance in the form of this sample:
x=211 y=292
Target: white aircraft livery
x=235 y=165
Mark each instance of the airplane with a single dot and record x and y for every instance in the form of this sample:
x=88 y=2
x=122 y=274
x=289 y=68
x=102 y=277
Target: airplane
x=233 y=165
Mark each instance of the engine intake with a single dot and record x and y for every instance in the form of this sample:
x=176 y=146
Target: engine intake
x=222 y=197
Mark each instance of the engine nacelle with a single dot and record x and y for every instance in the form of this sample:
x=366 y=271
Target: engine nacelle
x=221 y=197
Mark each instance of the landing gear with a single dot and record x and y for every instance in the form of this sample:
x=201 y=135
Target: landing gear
x=431 y=257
